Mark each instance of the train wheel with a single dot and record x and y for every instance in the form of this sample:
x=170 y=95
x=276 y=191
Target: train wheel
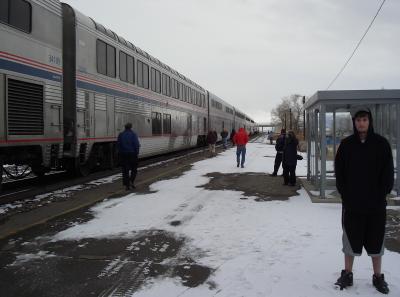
x=39 y=171
x=75 y=168
x=111 y=156
x=106 y=155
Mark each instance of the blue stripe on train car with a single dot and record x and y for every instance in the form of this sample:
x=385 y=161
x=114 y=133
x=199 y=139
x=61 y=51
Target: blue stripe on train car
x=29 y=70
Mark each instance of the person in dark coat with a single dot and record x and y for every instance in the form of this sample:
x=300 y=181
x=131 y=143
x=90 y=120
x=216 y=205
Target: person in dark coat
x=279 y=145
x=232 y=135
x=212 y=138
x=364 y=176
x=128 y=149
x=289 y=161
x=224 y=135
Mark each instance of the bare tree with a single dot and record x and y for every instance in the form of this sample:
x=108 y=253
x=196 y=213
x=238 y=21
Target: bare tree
x=289 y=113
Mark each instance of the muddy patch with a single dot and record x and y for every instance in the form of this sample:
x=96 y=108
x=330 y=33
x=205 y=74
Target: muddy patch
x=98 y=266
x=175 y=223
x=392 y=241
x=263 y=186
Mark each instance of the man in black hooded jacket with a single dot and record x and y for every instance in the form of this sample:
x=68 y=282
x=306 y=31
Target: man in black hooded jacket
x=364 y=176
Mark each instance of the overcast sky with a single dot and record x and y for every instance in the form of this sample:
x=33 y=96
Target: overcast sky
x=252 y=53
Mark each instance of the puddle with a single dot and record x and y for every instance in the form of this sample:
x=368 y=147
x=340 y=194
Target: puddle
x=263 y=186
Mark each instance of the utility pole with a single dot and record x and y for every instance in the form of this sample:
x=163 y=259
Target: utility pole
x=285 y=120
x=304 y=118
x=290 y=119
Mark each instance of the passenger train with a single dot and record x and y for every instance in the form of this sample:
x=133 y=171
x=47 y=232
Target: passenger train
x=68 y=85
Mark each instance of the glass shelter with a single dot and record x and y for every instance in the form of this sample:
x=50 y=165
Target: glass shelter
x=328 y=121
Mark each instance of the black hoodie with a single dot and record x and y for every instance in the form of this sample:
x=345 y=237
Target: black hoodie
x=364 y=171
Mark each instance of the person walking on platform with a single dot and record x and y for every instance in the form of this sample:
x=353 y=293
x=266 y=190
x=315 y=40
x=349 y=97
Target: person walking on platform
x=270 y=137
x=364 y=176
x=232 y=135
x=241 y=139
x=128 y=149
x=224 y=135
x=279 y=145
x=289 y=161
x=212 y=140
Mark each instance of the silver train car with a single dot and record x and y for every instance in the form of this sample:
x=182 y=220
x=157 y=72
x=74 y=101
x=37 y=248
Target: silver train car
x=31 y=101
x=68 y=85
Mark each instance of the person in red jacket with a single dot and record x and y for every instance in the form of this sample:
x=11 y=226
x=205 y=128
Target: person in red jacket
x=241 y=139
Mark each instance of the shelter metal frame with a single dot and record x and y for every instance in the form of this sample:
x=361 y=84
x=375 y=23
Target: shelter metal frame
x=385 y=109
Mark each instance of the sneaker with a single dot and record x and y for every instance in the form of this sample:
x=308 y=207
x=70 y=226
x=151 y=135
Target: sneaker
x=345 y=279
x=237 y=165
x=242 y=166
x=273 y=174
x=380 y=284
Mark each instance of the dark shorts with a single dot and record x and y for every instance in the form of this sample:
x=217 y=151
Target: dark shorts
x=363 y=230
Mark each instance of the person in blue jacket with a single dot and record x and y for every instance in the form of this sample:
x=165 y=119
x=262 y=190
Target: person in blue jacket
x=128 y=149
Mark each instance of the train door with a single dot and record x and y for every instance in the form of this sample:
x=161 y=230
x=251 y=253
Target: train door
x=100 y=115
x=110 y=116
x=83 y=117
x=189 y=125
x=205 y=126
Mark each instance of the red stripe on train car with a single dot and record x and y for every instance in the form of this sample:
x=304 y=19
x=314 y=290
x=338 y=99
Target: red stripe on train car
x=32 y=140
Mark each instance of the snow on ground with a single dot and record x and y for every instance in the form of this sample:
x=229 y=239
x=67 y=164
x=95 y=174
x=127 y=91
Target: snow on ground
x=277 y=248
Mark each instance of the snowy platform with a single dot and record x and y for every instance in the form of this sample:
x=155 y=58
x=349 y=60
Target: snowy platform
x=213 y=231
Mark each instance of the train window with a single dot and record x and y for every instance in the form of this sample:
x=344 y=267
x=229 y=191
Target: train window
x=176 y=87
x=16 y=13
x=130 y=69
x=203 y=99
x=166 y=123
x=4 y=11
x=101 y=57
x=153 y=79
x=145 y=76
x=178 y=90
x=181 y=93
x=156 y=123
x=164 y=84
x=105 y=59
x=172 y=88
x=111 y=61
x=140 y=73
x=158 y=81
x=168 y=86
x=187 y=94
x=122 y=66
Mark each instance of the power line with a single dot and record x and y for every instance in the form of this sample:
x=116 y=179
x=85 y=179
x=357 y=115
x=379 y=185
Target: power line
x=358 y=44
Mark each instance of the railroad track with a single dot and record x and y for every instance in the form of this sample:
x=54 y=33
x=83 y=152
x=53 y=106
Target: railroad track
x=31 y=186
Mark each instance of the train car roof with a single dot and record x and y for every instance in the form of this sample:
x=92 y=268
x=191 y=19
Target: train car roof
x=91 y=23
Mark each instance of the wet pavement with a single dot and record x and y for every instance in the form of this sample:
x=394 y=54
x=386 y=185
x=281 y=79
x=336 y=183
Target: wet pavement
x=33 y=264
